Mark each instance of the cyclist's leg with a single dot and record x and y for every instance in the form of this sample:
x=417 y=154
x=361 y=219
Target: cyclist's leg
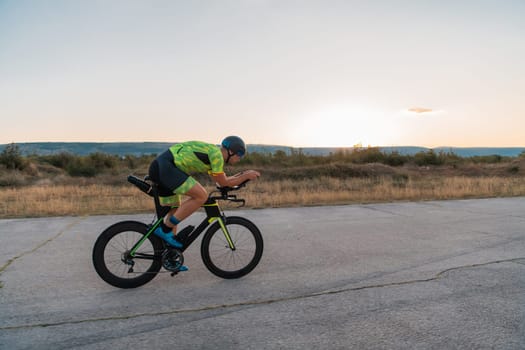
x=172 y=182
x=197 y=196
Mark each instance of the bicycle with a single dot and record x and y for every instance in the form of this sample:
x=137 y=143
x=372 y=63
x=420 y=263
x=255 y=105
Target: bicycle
x=128 y=255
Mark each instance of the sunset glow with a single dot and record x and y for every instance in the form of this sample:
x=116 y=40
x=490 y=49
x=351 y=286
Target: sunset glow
x=313 y=73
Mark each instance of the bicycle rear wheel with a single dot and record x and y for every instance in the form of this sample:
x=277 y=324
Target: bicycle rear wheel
x=224 y=262
x=111 y=257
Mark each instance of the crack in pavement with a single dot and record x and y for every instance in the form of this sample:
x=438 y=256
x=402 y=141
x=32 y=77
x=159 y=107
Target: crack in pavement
x=369 y=207
x=60 y=233
x=436 y=277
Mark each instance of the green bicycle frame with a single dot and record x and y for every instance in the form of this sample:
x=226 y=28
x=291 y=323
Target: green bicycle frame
x=213 y=213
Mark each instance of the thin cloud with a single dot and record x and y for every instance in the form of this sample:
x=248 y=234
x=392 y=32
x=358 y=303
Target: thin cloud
x=420 y=110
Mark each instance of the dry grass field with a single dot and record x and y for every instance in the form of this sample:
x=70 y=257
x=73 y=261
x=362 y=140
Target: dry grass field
x=40 y=189
x=90 y=199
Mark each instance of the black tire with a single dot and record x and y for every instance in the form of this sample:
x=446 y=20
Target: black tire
x=225 y=262
x=113 y=244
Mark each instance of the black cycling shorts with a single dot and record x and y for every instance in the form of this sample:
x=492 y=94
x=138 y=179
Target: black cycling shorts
x=164 y=172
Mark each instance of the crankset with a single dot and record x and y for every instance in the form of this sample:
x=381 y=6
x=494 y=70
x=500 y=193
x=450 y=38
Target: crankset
x=172 y=259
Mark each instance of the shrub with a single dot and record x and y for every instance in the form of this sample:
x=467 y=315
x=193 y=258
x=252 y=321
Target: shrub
x=81 y=168
x=367 y=155
x=61 y=160
x=11 y=157
x=450 y=158
x=101 y=161
x=258 y=158
x=491 y=159
x=395 y=159
x=88 y=166
x=427 y=158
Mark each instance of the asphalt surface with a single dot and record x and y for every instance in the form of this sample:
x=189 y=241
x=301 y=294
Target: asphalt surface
x=425 y=275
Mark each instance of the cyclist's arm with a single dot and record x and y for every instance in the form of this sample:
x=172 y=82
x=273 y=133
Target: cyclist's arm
x=222 y=180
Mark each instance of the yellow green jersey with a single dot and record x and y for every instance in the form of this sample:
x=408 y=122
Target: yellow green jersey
x=198 y=157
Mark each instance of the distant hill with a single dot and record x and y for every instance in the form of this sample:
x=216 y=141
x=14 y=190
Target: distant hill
x=85 y=148
x=147 y=148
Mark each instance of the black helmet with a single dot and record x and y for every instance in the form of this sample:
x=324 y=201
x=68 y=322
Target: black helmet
x=235 y=145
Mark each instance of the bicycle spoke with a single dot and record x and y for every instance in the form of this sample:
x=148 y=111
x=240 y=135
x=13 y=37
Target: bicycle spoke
x=224 y=257
x=120 y=245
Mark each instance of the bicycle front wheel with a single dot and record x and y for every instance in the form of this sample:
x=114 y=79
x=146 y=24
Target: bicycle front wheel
x=221 y=259
x=112 y=259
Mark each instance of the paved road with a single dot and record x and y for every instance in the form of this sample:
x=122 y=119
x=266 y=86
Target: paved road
x=428 y=275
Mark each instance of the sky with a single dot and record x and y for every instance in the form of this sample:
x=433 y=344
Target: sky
x=302 y=73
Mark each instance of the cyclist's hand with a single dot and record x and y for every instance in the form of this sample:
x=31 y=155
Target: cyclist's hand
x=251 y=174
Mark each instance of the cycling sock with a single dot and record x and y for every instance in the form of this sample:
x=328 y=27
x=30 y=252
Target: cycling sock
x=174 y=220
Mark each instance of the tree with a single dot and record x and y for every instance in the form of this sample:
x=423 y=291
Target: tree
x=11 y=157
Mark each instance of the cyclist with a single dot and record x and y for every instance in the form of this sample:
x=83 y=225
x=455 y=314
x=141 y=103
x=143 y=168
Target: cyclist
x=171 y=171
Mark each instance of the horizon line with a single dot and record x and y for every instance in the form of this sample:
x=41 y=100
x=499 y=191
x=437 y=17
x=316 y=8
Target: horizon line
x=260 y=144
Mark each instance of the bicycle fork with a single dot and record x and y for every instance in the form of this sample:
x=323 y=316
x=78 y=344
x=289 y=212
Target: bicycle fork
x=224 y=231
x=214 y=213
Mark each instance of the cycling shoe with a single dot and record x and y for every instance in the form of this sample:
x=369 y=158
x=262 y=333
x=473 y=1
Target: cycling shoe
x=167 y=237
